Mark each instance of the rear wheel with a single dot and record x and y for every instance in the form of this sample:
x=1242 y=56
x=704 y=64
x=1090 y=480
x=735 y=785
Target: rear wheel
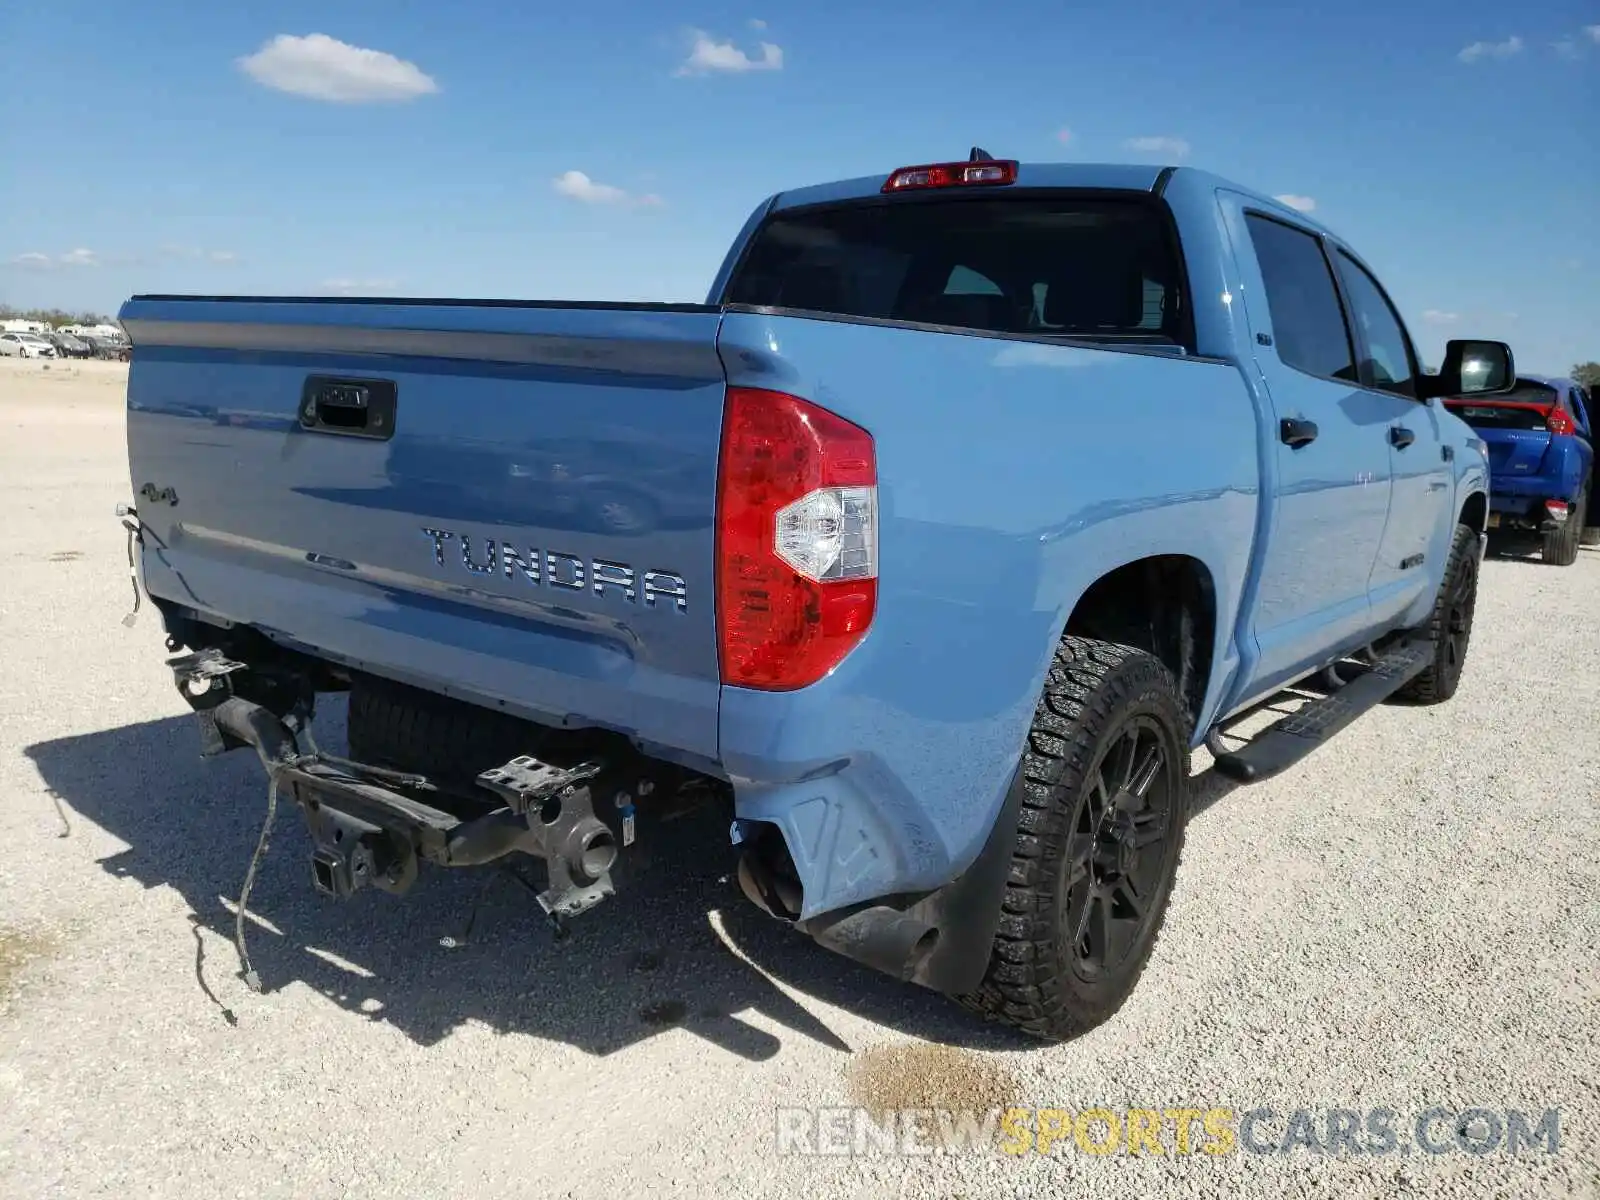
x=1561 y=544
x=1106 y=778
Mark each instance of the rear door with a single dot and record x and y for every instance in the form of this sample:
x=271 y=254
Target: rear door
x=1332 y=485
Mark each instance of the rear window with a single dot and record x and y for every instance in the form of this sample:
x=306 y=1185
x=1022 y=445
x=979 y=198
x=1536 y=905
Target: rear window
x=1074 y=267
x=1510 y=411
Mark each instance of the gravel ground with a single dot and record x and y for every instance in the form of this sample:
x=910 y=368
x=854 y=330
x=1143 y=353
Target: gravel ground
x=1408 y=919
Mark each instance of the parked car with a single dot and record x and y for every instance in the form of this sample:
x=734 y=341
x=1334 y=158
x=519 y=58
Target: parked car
x=997 y=489
x=25 y=345
x=68 y=346
x=1541 y=461
x=108 y=348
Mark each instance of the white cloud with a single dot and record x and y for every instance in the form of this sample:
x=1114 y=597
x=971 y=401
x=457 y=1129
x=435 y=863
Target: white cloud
x=35 y=261
x=324 y=68
x=1173 y=147
x=577 y=186
x=1434 y=316
x=1479 y=50
x=756 y=23
x=84 y=257
x=1063 y=135
x=1594 y=33
x=1566 y=48
x=707 y=55
x=198 y=254
x=1303 y=204
x=359 y=287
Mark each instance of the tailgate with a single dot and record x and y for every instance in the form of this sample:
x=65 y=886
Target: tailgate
x=1515 y=432
x=531 y=526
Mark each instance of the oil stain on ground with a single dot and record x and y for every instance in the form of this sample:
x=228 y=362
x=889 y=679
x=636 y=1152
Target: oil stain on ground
x=920 y=1075
x=18 y=948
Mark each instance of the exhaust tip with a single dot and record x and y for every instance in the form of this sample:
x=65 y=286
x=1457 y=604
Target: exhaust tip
x=881 y=937
x=763 y=888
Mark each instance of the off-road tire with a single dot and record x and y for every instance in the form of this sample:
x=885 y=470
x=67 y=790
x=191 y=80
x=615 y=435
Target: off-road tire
x=1093 y=692
x=449 y=741
x=1561 y=545
x=1450 y=623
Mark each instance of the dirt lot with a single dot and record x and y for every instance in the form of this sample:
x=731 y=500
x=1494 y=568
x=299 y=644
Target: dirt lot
x=1409 y=919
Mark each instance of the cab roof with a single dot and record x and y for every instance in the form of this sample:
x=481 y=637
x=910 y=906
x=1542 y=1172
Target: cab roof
x=1137 y=177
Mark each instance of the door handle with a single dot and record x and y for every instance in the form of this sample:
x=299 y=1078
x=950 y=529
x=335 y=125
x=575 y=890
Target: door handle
x=1294 y=433
x=362 y=408
x=1400 y=437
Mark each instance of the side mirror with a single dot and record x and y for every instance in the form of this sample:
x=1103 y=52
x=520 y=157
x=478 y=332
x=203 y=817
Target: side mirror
x=1474 y=368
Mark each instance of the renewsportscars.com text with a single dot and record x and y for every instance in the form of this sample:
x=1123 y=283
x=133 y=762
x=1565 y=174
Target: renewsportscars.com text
x=1203 y=1131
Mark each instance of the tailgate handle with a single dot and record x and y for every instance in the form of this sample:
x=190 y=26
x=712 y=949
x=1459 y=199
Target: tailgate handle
x=348 y=407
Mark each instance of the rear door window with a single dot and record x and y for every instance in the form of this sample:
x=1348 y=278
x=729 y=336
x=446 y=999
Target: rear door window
x=1102 y=269
x=1308 y=324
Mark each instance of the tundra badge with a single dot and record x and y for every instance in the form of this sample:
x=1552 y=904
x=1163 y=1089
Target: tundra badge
x=552 y=568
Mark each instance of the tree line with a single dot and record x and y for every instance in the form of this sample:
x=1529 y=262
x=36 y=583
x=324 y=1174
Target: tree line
x=55 y=317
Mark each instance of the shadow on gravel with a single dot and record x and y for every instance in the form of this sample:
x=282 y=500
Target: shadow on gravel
x=1525 y=551
x=648 y=959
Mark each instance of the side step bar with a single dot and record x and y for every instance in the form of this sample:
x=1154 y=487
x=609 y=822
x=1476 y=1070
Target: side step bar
x=1286 y=742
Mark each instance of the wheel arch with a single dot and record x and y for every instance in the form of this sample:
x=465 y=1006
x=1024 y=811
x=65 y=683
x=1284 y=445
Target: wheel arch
x=1165 y=604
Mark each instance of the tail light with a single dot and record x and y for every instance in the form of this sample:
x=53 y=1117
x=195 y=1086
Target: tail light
x=1560 y=422
x=990 y=173
x=797 y=540
x=1557 y=509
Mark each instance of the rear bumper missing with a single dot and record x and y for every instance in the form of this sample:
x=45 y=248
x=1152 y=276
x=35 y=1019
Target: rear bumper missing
x=371 y=827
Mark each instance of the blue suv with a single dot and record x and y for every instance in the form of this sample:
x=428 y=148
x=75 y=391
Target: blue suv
x=1541 y=461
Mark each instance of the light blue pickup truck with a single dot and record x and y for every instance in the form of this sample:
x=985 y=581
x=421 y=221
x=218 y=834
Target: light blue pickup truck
x=976 y=496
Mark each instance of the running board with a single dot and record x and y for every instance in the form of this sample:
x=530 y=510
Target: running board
x=1286 y=742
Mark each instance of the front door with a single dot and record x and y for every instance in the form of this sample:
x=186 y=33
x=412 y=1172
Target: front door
x=1416 y=539
x=1332 y=488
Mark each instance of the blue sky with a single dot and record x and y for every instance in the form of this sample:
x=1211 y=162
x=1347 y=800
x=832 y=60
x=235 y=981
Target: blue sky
x=610 y=150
